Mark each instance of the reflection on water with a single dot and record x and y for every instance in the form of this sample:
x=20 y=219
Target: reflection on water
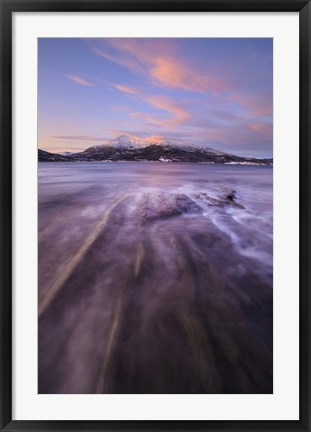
x=155 y=278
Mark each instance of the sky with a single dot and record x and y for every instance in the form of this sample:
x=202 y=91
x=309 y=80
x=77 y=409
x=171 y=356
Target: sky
x=211 y=92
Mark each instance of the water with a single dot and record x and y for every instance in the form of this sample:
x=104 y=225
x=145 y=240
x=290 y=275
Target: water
x=155 y=278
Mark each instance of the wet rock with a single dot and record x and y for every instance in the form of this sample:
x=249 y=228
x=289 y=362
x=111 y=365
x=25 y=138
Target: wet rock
x=227 y=198
x=184 y=204
x=231 y=200
x=163 y=206
x=231 y=196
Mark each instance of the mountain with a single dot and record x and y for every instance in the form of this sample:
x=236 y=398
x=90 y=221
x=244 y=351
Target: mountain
x=130 y=142
x=134 y=142
x=153 y=148
x=44 y=156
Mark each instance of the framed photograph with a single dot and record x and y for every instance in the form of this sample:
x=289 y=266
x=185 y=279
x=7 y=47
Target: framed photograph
x=155 y=215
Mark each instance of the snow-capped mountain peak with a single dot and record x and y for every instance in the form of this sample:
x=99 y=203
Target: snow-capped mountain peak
x=133 y=141
x=123 y=141
x=129 y=142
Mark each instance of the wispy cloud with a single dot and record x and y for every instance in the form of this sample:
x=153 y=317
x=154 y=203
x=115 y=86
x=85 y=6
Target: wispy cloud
x=178 y=115
x=79 y=137
x=169 y=114
x=125 y=89
x=162 y=64
x=117 y=132
x=258 y=105
x=159 y=61
x=172 y=72
x=121 y=60
x=79 y=80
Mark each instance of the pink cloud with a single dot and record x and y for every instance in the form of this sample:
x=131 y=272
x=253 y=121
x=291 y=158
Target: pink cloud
x=175 y=73
x=176 y=114
x=263 y=128
x=259 y=105
x=148 y=118
x=125 y=89
x=121 y=60
x=159 y=61
x=79 y=80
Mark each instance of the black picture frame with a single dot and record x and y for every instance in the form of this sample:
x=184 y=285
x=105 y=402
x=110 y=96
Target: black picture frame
x=8 y=7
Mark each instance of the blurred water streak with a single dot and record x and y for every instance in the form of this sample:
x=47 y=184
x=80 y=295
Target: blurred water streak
x=155 y=278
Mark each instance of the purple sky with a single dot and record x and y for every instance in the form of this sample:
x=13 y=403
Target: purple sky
x=213 y=92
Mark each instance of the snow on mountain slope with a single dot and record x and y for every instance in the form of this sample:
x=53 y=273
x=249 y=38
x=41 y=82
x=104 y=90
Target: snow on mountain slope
x=129 y=142
x=132 y=141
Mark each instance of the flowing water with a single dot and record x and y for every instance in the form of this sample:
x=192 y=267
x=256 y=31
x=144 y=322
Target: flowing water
x=155 y=278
